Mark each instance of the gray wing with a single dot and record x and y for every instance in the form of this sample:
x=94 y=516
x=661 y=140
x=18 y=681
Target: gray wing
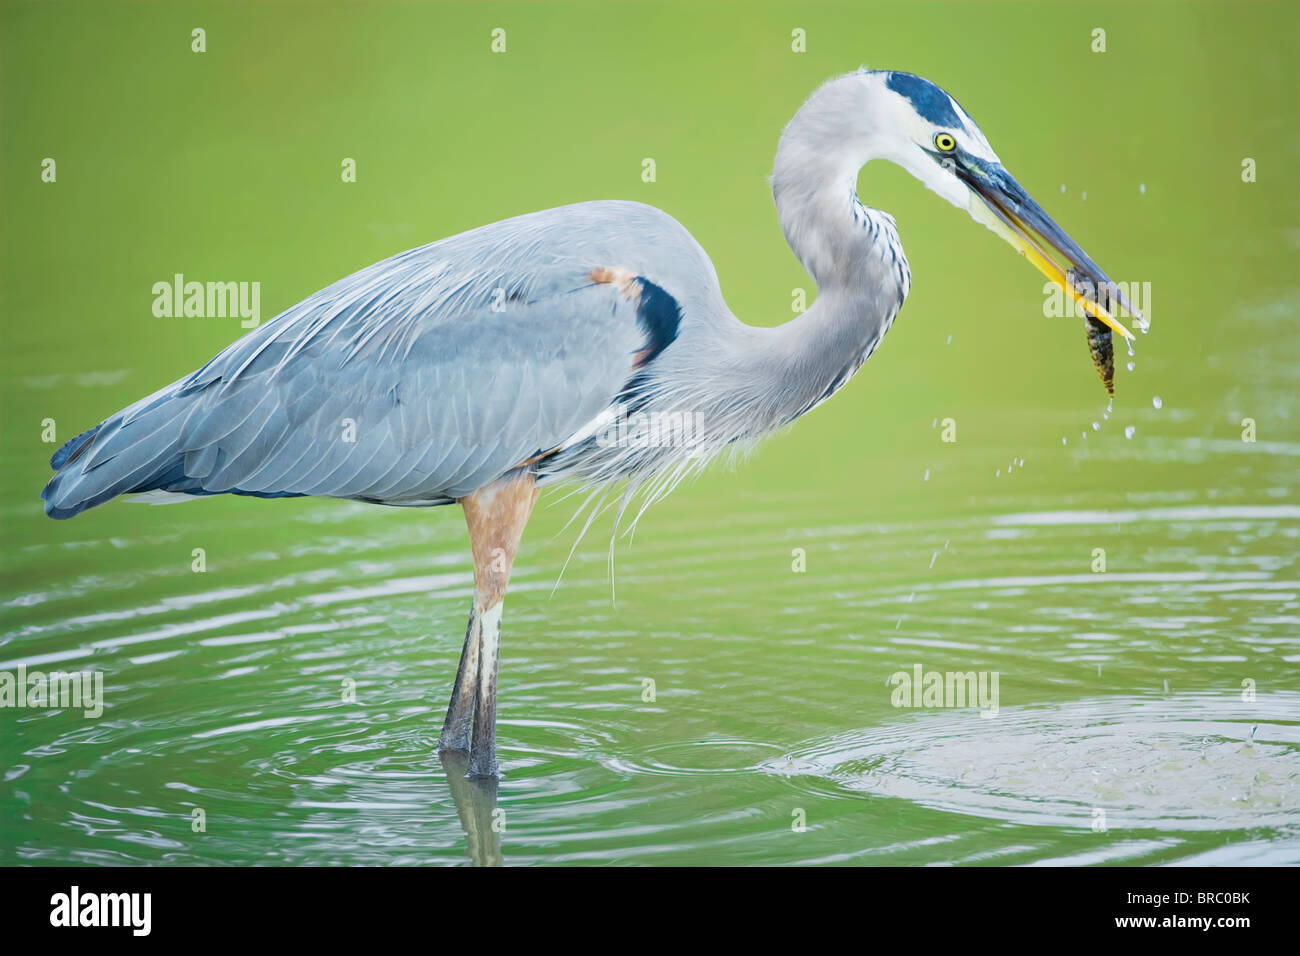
x=416 y=380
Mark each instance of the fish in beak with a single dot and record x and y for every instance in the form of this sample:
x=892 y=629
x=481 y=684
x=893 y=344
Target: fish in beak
x=1014 y=215
x=1100 y=341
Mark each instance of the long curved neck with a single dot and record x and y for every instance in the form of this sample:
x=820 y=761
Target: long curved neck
x=748 y=380
x=814 y=181
x=851 y=252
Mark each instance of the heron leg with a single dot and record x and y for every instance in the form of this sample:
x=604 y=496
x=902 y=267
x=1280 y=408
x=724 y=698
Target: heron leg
x=483 y=750
x=464 y=694
x=496 y=516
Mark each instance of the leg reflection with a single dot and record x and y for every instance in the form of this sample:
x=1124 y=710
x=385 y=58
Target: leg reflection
x=476 y=804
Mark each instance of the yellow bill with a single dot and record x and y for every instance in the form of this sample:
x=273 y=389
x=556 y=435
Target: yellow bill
x=1007 y=225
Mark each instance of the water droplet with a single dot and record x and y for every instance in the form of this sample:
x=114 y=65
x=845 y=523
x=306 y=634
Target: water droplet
x=1063 y=441
x=1130 y=346
x=999 y=473
x=1129 y=431
x=934 y=423
x=1096 y=426
x=934 y=557
x=1142 y=188
x=1110 y=405
x=1132 y=365
x=1062 y=189
x=1156 y=401
x=1083 y=434
x=949 y=340
x=1085 y=194
x=927 y=475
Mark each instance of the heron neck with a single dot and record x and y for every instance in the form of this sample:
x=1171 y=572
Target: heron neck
x=851 y=251
x=816 y=353
x=814 y=180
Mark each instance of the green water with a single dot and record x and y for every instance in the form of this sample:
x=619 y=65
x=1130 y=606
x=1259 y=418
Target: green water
x=1124 y=724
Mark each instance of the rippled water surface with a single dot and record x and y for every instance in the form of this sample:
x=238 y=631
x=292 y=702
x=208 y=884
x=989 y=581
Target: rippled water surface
x=732 y=695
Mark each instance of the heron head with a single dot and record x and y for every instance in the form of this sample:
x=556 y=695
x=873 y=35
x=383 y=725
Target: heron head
x=925 y=131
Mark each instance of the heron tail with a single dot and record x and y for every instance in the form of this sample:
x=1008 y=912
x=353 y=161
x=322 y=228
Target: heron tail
x=135 y=450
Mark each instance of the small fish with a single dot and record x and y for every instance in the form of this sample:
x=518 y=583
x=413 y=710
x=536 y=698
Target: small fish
x=1100 y=343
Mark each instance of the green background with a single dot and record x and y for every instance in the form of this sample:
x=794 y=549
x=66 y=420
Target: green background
x=223 y=689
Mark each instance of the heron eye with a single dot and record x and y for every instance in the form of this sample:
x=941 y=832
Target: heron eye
x=945 y=142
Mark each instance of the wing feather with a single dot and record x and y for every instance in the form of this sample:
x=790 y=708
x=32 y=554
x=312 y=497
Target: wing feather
x=449 y=365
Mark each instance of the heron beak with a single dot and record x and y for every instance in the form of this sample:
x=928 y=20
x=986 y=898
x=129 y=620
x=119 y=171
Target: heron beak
x=1014 y=215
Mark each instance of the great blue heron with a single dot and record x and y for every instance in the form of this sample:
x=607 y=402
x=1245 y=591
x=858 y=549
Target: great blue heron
x=480 y=367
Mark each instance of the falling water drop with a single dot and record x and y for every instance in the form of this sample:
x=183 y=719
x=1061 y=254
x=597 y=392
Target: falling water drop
x=1156 y=401
x=1142 y=188
x=927 y=475
x=1130 y=346
x=1131 y=366
x=1128 y=431
x=1096 y=426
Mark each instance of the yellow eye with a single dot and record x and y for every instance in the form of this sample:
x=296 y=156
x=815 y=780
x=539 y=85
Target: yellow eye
x=945 y=142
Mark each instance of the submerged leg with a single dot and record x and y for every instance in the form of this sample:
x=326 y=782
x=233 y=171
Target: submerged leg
x=464 y=694
x=496 y=516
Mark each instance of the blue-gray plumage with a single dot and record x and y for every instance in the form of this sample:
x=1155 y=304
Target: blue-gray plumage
x=415 y=381
x=482 y=366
